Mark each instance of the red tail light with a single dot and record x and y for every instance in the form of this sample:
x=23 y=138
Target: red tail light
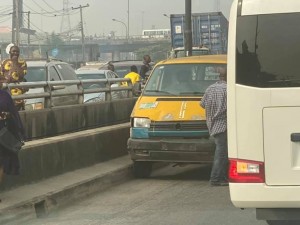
x=246 y=171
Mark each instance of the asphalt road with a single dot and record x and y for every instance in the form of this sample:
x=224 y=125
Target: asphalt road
x=173 y=195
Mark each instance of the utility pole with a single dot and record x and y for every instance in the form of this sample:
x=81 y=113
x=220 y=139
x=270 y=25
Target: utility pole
x=17 y=21
x=81 y=28
x=188 y=28
x=13 y=25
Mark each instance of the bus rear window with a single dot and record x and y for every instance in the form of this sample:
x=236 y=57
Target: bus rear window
x=268 y=50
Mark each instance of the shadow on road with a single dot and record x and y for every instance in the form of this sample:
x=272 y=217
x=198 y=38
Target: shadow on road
x=183 y=172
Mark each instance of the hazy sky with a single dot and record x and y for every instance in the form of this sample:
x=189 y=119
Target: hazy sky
x=98 y=16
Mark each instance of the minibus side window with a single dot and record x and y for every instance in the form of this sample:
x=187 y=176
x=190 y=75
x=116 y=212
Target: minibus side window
x=268 y=50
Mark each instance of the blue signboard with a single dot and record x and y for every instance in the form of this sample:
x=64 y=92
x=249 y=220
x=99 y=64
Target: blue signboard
x=54 y=52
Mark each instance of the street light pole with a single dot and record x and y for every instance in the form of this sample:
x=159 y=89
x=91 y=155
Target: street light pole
x=128 y=21
x=126 y=28
x=28 y=25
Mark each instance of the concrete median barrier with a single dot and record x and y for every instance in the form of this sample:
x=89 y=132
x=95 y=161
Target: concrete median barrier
x=66 y=119
x=38 y=200
x=44 y=158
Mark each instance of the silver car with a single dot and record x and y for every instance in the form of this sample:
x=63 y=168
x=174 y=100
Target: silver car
x=51 y=71
x=98 y=74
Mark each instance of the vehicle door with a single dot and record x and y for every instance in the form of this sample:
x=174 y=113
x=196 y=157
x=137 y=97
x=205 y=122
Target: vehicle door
x=68 y=74
x=64 y=99
x=115 y=94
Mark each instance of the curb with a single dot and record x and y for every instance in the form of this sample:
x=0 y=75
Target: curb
x=42 y=205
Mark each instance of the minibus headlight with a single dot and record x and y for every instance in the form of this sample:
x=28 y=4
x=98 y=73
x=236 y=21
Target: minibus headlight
x=141 y=122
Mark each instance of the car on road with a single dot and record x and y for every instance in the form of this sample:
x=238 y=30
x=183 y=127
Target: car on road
x=122 y=67
x=93 y=66
x=88 y=74
x=167 y=122
x=53 y=70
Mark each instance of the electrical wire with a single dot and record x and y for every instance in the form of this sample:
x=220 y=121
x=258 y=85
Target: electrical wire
x=4 y=16
x=4 y=20
x=4 y=11
x=41 y=7
x=49 y=6
x=55 y=13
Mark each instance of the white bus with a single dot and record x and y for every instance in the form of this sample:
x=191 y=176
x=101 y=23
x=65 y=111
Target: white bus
x=157 y=33
x=264 y=108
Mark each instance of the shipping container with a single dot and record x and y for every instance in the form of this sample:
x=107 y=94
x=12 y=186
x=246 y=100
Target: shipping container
x=208 y=29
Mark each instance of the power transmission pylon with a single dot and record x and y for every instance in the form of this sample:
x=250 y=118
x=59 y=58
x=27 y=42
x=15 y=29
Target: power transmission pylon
x=65 y=20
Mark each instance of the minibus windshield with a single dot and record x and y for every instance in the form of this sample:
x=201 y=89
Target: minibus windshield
x=181 y=79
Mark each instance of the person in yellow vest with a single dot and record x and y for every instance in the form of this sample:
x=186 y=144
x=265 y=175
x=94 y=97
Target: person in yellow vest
x=132 y=75
x=13 y=70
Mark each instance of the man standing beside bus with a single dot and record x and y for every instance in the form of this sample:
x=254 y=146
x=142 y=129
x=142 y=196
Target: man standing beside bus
x=214 y=102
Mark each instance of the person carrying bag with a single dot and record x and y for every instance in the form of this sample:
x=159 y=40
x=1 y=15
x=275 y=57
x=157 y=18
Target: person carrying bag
x=11 y=135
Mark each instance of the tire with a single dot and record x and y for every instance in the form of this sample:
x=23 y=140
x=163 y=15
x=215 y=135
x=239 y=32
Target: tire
x=283 y=222
x=142 y=169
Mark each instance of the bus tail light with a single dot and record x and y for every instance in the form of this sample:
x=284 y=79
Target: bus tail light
x=245 y=171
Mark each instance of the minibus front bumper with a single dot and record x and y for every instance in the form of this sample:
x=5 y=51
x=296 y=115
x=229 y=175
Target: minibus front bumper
x=172 y=150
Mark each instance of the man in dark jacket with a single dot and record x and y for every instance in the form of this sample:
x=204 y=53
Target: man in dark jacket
x=146 y=67
x=9 y=117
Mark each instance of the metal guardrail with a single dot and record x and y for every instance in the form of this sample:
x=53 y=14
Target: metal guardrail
x=50 y=86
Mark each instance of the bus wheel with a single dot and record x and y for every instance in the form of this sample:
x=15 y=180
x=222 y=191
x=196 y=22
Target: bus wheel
x=142 y=169
x=283 y=222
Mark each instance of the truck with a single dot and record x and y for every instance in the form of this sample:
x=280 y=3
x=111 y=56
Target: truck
x=209 y=33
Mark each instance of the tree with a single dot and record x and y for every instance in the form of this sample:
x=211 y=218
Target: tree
x=54 y=40
x=157 y=52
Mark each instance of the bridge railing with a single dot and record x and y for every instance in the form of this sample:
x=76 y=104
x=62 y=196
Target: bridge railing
x=48 y=89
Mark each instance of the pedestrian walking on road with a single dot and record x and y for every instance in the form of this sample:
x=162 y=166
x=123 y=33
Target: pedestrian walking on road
x=215 y=103
x=9 y=117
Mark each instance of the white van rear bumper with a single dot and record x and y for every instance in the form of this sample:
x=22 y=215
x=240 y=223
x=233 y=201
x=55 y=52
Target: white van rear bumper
x=263 y=196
